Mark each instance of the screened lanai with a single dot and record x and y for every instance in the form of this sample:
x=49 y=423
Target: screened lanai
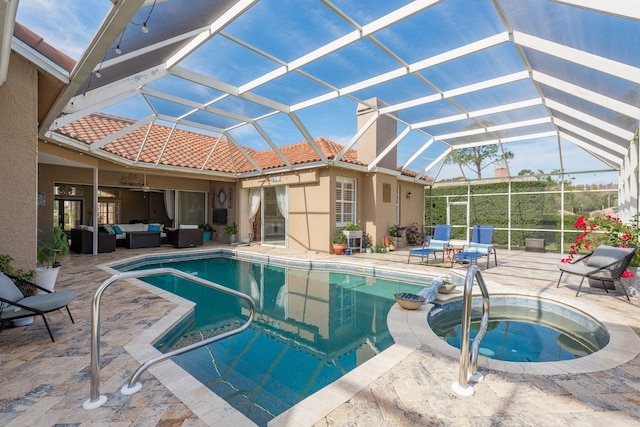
x=549 y=88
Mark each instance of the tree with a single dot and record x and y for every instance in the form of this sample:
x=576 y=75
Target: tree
x=478 y=158
x=528 y=172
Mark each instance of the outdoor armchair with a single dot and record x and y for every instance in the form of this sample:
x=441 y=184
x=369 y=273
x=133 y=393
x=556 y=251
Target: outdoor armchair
x=481 y=245
x=606 y=263
x=440 y=241
x=14 y=305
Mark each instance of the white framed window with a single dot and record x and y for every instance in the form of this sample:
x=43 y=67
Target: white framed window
x=109 y=212
x=345 y=200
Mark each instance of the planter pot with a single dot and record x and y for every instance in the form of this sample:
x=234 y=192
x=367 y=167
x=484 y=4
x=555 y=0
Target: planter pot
x=46 y=277
x=368 y=250
x=354 y=239
x=23 y=322
x=338 y=249
x=206 y=236
x=232 y=238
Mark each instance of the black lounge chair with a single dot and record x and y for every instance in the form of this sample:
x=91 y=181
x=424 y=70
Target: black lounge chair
x=606 y=264
x=14 y=305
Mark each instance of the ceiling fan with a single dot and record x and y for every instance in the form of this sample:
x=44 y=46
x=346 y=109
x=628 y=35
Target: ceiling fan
x=145 y=188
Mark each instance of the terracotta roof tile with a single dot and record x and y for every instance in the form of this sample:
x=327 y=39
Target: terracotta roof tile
x=191 y=150
x=37 y=43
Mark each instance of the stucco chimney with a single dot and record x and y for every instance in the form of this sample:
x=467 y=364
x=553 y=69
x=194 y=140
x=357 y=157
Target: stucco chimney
x=378 y=136
x=501 y=171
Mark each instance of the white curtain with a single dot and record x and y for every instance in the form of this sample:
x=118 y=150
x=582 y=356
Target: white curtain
x=283 y=201
x=255 y=291
x=254 y=202
x=169 y=203
x=282 y=299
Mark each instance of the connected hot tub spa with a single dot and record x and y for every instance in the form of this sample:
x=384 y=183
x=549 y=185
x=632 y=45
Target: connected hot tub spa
x=523 y=329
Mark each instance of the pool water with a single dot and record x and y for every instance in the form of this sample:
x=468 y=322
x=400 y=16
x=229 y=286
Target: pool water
x=523 y=330
x=310 y=328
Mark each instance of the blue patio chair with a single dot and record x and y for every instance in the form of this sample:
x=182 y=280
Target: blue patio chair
x=480 y=245
x=440 y=241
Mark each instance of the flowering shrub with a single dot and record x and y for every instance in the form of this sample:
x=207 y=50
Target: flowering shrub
x=609 y=231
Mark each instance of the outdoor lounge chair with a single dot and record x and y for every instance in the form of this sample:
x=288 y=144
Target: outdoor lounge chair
x=14 y=305
x=605 y=264
x=480 y=245
x=440 y=240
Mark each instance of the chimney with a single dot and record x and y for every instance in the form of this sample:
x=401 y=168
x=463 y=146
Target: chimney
x=378 y=136
x=500 y=171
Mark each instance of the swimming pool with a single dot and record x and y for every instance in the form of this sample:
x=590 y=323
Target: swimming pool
x=311 y=327
x=524 y=329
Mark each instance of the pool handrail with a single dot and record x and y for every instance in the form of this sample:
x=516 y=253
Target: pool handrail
x=96 y=400
x=467 y=372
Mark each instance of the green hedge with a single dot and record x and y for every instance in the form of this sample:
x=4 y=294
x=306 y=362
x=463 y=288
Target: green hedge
x=489 y=205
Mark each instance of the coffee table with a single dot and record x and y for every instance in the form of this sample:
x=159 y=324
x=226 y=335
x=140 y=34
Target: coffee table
x=143 y=239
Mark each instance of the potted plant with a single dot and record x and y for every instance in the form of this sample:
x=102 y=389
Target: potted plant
x=206 y=233
x=53 y=247
x=353 y=232
x=231 y=230
x=367 y=242
x=28 y=275
x=390 y=240
x=339 y=242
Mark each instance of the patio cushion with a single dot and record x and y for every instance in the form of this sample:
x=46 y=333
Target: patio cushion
x=605 y=255
x=44 y=303
x=479 y=248
x=9 y=290
x=436 y=244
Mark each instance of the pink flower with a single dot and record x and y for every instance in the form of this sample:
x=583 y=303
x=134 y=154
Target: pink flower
x=627 y=274
x=581 y=222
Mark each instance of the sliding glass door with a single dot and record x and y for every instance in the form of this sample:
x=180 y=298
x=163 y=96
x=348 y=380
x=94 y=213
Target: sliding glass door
x=274 y=215
x=67 y=213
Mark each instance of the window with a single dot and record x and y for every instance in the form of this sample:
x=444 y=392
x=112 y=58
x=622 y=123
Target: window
x=345 y=200
x=109 y=212
x=191 y=207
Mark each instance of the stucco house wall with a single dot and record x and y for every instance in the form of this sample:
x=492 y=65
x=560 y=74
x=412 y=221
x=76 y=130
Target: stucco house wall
x=18 y=172
x=309 y=214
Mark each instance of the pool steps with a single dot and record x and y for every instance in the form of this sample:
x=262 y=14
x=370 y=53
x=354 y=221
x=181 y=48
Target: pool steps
x=97 y=400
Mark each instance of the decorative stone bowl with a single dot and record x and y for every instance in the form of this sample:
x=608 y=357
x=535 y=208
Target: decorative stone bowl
x=409 y=301
x=447 y=288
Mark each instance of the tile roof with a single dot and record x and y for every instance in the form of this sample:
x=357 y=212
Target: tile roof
x=189 y=149
x=193 y=150
x=38 y=44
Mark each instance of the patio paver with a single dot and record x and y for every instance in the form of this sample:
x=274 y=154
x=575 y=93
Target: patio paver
x=46 y=383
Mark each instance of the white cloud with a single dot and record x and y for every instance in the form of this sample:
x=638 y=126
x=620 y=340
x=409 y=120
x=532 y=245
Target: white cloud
x=67 y=25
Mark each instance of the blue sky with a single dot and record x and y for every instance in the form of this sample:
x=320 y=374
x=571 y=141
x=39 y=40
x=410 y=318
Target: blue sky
x=298 y=27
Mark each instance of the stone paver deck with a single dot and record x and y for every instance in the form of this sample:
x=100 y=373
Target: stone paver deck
x=46 y=384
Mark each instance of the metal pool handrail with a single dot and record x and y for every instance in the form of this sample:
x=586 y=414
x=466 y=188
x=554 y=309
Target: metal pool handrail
x=96 y=400
x=461 y=386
